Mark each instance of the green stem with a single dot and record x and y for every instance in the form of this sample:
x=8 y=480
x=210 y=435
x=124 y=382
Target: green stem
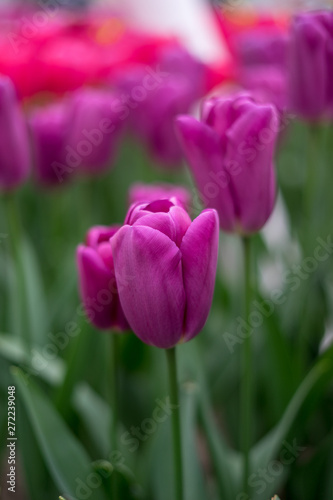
x=311 y=183
x=176 y=432
x=246 y=378
x=114 y=400
x=15 y=237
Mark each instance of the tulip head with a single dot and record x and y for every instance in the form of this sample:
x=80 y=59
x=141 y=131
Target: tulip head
x=172 y=261
x=152 y=102
x=49 y=127
x=267 y=83
x=98 y=285
x=230 y=153
x=95 y=129
x=311 y=65
x=14 y=143
x=150 y=192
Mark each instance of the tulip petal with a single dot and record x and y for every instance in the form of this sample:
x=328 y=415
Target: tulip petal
x=173 y=224
x=204 y=153
x=152 y=296
x=96 y=283
x=199 y=256
x=251 y=144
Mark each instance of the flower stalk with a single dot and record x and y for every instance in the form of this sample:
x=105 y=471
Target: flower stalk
x=176 y=429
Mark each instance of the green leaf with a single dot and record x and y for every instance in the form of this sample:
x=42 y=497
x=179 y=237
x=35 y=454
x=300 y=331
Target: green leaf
x=161 y=453
x=13 y=349
x=312 y=386
x=68 y=462
x=34 y=295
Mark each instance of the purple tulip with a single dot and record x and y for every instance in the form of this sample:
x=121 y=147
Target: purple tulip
x=230 y=153
x=311 y=65
x=173 y=264
x=50 y=127
x=98 y=286
x=267 y=83
x=95 y=129
x=14 y=143
x=151 y=109
x=263 y=47
x=150 y=192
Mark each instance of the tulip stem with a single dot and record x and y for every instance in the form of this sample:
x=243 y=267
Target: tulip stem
x=310 y=189
x=15 y=237
x=176 y=432
x=246 y=375
x=114 y=400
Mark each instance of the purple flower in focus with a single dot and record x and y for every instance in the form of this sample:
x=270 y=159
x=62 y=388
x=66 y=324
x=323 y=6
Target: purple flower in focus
x=173 y=263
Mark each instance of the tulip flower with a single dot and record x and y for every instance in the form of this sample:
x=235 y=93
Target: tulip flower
x=172 y=262
x=14 y=143
x=263 y=47
x=95 y=129
x=98 y=286
x=152 y=102
x=311 y=65
x=150 y=192
x=49 y=128
x=230 y=153
x=268 y=84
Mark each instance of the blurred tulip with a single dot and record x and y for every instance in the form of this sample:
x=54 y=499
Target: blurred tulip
x=230 y=153
x=50 y=128
x=311 y=65
x=267 y=83
x=98 y=287
x=150 y=192
x=173 y=264
x=95 y=129
x=263 y=47
x=153 y=100
x=14 y=143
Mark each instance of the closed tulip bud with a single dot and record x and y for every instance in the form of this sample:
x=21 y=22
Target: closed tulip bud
x=98 y=286
x=230 y=153
x=95 y=129
x=14 y=143
x=49 y=132
x=311 y=65
x=172 y=262
x=150 y=192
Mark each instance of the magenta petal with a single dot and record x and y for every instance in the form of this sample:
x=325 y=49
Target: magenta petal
x=98 y=234
x=173 y=224
x=251 y=145
x=199 y=256
x=204 y=154
x=152 y=295
x=96 y=283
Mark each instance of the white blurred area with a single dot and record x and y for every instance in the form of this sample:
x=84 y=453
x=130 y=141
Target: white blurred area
x=191 y=21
